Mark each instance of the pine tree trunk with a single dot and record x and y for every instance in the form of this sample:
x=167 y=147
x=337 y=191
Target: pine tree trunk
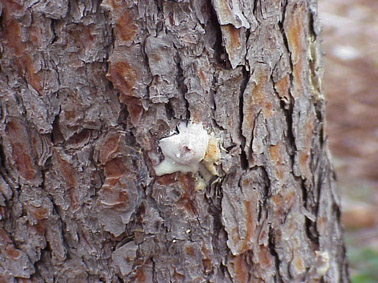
x=87 y=91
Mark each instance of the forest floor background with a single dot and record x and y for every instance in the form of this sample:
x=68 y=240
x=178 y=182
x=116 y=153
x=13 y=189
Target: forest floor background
x=350 y=44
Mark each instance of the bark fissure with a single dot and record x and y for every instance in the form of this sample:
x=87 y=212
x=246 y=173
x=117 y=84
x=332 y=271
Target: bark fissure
x=243 y=156
x=272 y=250
x=181 y=84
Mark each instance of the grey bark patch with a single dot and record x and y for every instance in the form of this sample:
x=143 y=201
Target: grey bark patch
x=123 y=258
x=160 y=53
x=53 y=9
x=229 y=12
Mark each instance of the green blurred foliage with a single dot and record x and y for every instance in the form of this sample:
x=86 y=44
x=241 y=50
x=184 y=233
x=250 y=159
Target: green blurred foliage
x=363 y=263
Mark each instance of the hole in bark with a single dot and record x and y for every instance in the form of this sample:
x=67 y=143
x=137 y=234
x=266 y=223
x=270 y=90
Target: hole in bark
x=311 y=231
x=56 y=136
x=170 y=111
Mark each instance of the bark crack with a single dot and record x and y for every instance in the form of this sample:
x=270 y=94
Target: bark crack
x=255 y=6
x=243 y=155
x=180 y=78
x=272 y=249
x=220 y=53
x=3 y=168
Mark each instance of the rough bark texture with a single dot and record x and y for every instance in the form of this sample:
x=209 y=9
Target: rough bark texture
x=87 y=91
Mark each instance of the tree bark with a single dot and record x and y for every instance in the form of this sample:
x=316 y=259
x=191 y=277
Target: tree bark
x=87 y=91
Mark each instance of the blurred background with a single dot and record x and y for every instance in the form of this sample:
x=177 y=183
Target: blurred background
x=350 y=45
